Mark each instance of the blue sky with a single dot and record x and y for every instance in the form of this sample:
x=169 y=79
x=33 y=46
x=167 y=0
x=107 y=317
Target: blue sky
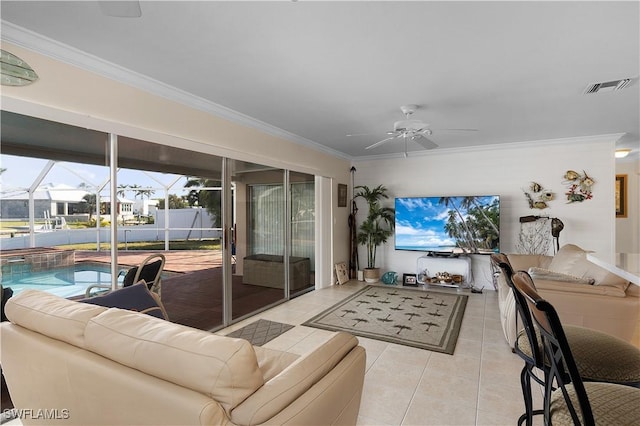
x=22 y=171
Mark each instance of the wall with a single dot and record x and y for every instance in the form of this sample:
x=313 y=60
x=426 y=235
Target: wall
x=628 y=228
x=68 y=94
x=504 y=170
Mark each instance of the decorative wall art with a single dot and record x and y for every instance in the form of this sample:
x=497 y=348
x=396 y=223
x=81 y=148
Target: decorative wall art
x=621 y=196
x=342 y=195
x=342 y=273
x=538 y=197
x=579 y=186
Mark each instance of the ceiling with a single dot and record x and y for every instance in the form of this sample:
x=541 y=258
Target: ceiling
x=320 y=71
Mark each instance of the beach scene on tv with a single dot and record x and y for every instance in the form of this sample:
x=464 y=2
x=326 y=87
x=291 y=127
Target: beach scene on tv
x=469 y=224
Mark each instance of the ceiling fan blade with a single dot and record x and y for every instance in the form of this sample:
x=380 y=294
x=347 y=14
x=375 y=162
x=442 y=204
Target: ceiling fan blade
x=121 y=8
x=357 y=134
x=381 y=142
x=424 y=142
x=459 y=130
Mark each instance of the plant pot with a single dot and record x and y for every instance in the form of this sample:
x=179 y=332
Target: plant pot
x=372 y=275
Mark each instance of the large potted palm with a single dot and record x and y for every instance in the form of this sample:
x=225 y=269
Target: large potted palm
x=376 y=228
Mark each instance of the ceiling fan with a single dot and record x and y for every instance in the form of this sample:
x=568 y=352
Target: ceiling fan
x=411 y=129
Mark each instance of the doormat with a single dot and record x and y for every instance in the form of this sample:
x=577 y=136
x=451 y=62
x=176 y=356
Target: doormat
x=260 y=332
x=419 y=318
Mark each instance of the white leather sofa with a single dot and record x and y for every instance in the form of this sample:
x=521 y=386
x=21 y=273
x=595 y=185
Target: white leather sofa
x=87 y=365
x=583 y=294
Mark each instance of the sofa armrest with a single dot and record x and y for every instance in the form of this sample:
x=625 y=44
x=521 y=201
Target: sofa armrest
x=279 y=392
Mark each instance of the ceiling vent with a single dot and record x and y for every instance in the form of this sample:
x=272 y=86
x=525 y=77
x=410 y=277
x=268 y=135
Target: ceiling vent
x=608 y=86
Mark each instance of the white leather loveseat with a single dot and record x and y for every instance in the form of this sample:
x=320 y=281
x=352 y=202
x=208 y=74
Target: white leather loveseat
x=87 y=364
x=583 y=294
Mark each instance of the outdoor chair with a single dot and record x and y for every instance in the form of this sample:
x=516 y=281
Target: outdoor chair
x=568 y=398
x=599 y=357
x=149 y=270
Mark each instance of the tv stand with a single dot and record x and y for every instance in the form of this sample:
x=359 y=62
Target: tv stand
x=457 y=267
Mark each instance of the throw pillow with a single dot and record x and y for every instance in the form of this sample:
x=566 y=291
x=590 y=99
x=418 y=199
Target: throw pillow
x=545 y=274
x=566 y=259
x=133 y=298
x=572 y=260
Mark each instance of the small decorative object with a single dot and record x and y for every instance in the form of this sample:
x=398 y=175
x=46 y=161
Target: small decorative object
x=579 y=186
x=341 y=272
x=409 y=280
x=443 y=277
x=538 y=197
x=423 y=276
x=389 y=278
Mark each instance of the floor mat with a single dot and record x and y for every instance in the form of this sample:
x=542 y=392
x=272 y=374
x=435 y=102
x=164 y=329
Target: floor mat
x=260 y=332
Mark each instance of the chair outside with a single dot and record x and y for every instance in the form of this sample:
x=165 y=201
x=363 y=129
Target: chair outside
x=149 y=270
x=568 y=399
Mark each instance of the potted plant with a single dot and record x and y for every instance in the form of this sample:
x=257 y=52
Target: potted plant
x=376 y=228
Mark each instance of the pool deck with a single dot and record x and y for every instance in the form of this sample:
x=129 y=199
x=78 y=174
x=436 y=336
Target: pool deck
x=175 y=261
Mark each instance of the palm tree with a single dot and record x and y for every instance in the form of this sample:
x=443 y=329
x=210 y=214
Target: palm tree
x=210 y=200
x=378 y=226
x=468 y=202
x=448 y=201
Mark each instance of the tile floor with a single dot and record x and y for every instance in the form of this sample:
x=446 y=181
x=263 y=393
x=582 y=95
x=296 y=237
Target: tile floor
x=478 y=385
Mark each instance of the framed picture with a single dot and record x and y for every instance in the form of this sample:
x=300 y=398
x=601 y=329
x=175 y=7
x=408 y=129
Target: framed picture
x=409 y=280
x=342 y=195
x=342 y=274
x=621 y=195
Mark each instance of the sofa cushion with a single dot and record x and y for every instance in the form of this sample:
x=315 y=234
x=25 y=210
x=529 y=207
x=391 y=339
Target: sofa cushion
x=572 y=260
x=223 y=368
x=133 y=298
x=51 y=315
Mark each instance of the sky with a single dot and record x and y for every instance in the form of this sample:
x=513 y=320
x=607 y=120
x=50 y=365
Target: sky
x=21 y=172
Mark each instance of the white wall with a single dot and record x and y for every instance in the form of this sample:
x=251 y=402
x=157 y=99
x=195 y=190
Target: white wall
x=505 y=170
x=628 y=228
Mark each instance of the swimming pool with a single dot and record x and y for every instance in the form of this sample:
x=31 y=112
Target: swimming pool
x=64 y=282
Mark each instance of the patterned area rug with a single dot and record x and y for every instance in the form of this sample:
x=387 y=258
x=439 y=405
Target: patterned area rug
x=423 y=319
x=260 y=332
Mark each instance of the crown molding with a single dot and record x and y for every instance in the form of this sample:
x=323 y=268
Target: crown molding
x=610 y=138
x=64 y=53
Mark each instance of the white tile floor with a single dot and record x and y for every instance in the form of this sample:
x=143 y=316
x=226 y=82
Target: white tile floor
x=478 y=385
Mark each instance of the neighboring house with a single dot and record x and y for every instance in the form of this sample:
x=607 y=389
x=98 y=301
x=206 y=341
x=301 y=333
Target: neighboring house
x=145 y=207
x=49 y=200
x=124 y=208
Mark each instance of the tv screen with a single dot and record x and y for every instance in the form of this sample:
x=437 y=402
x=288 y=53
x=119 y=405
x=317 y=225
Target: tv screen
x=466 y=224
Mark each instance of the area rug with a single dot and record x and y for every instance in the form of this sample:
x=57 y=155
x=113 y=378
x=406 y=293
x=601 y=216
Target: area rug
x=420 y=318
x=260 y=332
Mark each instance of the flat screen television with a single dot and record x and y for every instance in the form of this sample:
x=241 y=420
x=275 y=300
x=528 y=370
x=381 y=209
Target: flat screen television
x=465 y=224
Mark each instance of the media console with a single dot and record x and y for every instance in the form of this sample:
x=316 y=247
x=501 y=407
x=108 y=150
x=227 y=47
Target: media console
x=452 y=272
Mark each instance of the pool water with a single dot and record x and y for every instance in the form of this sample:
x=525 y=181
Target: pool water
x=64 y=282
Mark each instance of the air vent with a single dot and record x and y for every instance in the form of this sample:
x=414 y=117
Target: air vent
x=608 y=86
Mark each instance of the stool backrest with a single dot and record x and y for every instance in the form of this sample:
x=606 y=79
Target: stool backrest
x=563 y=370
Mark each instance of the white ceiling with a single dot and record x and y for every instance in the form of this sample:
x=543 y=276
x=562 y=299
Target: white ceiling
x=516 y=71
